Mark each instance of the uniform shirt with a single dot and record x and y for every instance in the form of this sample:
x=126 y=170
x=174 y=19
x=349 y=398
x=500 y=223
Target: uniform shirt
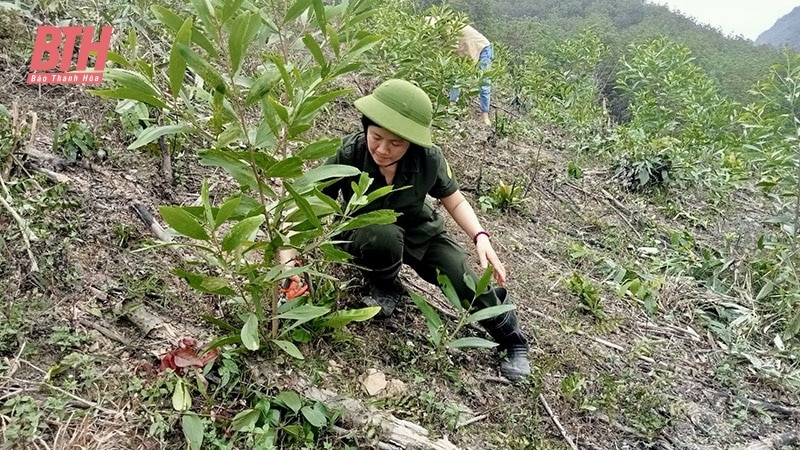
x=421 y=171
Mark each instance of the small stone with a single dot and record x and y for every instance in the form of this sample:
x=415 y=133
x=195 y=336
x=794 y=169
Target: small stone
x=374 y=382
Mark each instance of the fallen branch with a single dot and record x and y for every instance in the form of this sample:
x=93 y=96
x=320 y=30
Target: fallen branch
x=555 y=420
x=776 y=441
x=104 y=331
x=671 y=330
x=471 y=421
x=80 y=400
x=393 y=433
x=27 y=233
x=760 y=404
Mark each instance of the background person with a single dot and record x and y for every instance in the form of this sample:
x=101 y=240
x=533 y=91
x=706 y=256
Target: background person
x=472 y=44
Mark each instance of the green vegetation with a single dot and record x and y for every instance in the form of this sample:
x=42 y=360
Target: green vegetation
x=651 y=227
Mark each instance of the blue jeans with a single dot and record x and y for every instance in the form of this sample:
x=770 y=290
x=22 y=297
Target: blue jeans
x=484 y=63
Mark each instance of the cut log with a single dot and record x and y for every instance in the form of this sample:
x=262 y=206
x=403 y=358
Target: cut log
x=394 y=433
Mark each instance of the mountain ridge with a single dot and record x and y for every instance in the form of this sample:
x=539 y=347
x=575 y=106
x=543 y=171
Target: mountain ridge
x=785 y=32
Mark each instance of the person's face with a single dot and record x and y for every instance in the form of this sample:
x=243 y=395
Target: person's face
x=385 y=147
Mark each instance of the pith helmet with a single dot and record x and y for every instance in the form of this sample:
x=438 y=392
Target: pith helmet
x=402 y=108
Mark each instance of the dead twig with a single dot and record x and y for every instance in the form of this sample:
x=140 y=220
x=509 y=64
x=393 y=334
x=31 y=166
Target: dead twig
x=555 y=420
x=80 y=400
x=104 y=331
x=27 y=234
x=471 y=421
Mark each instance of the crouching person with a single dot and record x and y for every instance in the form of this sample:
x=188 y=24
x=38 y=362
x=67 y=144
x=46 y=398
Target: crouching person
x=395 y=148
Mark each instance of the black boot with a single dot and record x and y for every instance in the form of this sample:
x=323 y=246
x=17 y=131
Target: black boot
x=386 y=294
x=504 y=329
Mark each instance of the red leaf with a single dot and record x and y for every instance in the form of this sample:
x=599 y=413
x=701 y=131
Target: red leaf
x=186 y=357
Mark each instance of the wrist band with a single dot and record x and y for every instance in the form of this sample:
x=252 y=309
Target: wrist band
x=484 y=232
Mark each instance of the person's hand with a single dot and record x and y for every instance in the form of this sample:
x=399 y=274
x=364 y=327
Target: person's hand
x=487 y=255
x=293 y=286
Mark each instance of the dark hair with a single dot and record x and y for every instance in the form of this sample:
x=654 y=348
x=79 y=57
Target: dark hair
x=366 y=122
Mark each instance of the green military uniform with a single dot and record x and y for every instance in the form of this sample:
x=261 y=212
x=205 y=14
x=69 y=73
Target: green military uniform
x=418 y=238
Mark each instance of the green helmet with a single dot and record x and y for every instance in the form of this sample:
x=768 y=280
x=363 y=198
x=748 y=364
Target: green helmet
x=401 y=108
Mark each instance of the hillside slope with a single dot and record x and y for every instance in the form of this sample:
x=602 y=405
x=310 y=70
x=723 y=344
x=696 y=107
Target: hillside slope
x=785 y=32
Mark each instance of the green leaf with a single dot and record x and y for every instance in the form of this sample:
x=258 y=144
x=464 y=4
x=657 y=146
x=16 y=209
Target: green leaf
x=290 y=399
x=263 y=85
x=294 y=12
x=278 y=108
x=332 y=204
x=132 y=80
x=765 y=290
x=229 y=8
x=246 y=420
x=241 y=232
x=150 y=134
x=488 y=313
x=205 y=14
x=314 y=48
x=379 y=217
x=450 y=292
x=193 y=430
x=227 y=340
x=484 y=281
x=380 y=192
x=181 y=399
x=245 y=29
x=198 y=282
x=471 y=342
x=129 y=94
x=324 y=173
x=226 y=210
x=174 y=22
x=314 y=416
x=290 y=167
x=311 y=105
x=203 y=68
x=431 y=317
x=338 y=319
x=183 y=222
x=793 y=329
x=289 y=348
x=363 y=45
x=177 y=65
x=469 y=280
x=237 y=168
x=305 y=313
x=320 y=149
x=250 y=335
x=319 y=14
x=304 y=207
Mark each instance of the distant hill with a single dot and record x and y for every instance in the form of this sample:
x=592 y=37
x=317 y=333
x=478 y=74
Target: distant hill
x=786 y=31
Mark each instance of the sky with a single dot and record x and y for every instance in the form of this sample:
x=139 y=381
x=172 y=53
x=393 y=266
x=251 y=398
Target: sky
x=746 y=17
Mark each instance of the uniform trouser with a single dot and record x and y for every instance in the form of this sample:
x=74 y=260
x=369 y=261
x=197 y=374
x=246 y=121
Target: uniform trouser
x=381 y=249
